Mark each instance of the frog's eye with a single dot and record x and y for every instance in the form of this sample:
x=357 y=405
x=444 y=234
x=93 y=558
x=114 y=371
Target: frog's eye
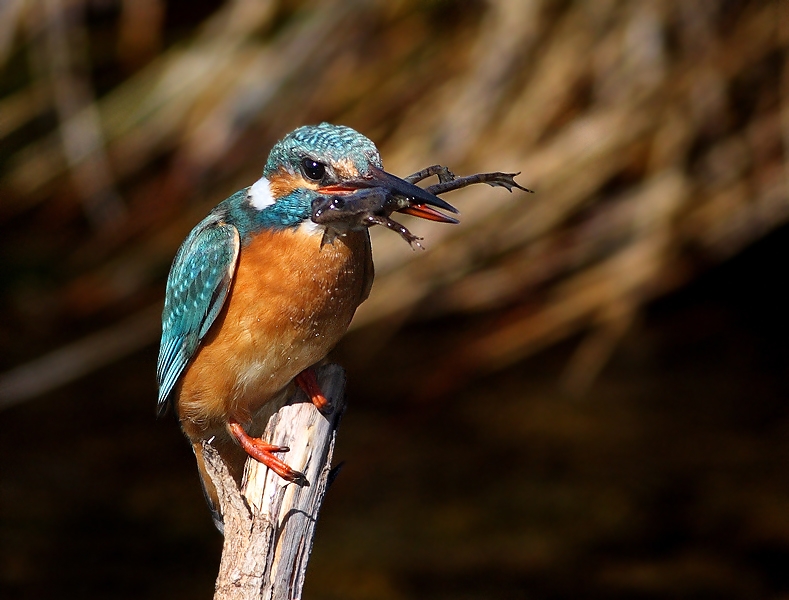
x=338 y=202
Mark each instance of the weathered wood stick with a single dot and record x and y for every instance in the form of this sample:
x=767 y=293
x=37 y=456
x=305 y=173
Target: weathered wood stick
x=270 y=523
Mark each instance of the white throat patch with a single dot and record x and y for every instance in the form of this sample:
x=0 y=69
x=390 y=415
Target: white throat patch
x=259 y=194
x=310 y=227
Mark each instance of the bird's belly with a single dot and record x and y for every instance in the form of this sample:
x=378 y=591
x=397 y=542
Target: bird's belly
x=290 y=303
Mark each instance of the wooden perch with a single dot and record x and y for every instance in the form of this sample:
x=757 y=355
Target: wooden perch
x=269 y=522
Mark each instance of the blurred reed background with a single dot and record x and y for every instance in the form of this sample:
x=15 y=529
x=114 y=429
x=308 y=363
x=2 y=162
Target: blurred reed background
x=576 y=393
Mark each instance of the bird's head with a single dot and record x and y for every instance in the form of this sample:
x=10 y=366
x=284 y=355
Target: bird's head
x=316 y=161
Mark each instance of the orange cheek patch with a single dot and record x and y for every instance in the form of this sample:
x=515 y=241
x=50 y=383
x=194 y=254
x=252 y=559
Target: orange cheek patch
x=283 y=183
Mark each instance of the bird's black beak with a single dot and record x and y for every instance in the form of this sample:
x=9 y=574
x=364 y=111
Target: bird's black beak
x=405 y=197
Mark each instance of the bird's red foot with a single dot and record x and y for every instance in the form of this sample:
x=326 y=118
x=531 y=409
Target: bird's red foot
x=307 y=381
x=262 y=452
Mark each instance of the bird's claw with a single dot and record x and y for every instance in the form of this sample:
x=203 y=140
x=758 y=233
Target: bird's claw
x=296 y=477
x=262 y=452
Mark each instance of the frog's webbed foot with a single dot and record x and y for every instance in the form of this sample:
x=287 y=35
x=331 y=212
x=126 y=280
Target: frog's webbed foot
x=397 y=227
x=444 y=174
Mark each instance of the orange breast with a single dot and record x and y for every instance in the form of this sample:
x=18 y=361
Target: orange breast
x=289 y=304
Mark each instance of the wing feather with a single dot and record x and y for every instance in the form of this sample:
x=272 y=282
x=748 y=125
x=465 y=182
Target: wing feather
x=197 y=288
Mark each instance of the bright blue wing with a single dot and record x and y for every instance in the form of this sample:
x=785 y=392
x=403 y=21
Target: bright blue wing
x=197 y=287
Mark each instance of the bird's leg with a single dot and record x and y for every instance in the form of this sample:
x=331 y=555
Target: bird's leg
x=262 y=452
x=307 y=381
x=444 y=174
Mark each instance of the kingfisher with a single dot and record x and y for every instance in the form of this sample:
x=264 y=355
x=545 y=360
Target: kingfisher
x=258 y=294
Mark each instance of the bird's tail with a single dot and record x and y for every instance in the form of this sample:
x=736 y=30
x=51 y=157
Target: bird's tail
x=234 y=458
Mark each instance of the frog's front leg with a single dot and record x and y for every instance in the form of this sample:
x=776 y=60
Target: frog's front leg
x=395 y=226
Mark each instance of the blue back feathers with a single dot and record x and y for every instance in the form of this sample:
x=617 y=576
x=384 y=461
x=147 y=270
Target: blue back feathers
x=197 y=286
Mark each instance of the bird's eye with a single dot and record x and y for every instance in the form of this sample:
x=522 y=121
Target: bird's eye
x=313 y=169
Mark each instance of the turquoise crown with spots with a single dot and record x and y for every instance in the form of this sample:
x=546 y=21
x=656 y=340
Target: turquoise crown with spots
x=325 y=143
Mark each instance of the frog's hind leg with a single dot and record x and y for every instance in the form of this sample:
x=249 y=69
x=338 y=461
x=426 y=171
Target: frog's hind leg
x=444 y=174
